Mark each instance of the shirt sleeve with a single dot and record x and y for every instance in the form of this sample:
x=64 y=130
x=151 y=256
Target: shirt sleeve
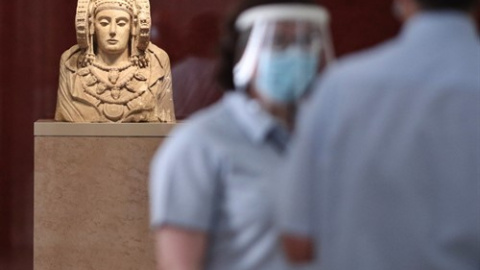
x=298 y=190
x=183 y=177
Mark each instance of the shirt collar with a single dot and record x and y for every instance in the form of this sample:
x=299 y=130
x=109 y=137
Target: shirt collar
x=253 y=119
x=430 y=24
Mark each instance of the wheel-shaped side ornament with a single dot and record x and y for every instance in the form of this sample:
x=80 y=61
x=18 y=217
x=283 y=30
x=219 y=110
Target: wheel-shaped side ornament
x=82 y=23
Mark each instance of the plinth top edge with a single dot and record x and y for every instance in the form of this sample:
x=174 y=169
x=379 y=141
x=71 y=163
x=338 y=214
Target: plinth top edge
x=53 y=128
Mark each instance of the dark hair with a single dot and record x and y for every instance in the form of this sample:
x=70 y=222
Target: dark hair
x=462 y=5
x=230 y=42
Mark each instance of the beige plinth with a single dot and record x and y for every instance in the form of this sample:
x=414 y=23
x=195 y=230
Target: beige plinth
x=91 y=202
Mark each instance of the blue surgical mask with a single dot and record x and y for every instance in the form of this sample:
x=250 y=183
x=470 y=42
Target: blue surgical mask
x=284 y=76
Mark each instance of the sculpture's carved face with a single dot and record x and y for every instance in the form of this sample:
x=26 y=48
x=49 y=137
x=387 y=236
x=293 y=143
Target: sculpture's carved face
x=112 y=30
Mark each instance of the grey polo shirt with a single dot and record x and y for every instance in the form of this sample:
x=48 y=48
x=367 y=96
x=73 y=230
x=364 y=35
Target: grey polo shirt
x=214 y=175
x=384 y=172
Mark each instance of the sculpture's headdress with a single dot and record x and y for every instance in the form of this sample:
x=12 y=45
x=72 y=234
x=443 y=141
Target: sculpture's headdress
x=138 y=9
x=127 y=5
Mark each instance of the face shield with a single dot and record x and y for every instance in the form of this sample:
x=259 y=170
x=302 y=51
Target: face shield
x=284 y=47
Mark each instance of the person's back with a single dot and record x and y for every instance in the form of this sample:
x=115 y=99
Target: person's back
x=395 y=177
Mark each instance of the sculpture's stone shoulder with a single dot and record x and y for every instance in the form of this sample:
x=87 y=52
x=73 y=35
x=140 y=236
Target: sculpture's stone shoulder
x=160 y=55
x=159 y=63
x=69 y=58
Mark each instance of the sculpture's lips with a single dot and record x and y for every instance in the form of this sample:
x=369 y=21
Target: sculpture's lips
x=112 y=41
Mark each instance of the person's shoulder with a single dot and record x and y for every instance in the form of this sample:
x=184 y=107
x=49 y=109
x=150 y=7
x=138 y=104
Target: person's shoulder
x=353 y=71
x=368 y=60
x=211 y=118
x=203 y=125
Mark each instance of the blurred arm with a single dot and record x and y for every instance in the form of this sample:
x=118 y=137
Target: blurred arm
x=179 y=249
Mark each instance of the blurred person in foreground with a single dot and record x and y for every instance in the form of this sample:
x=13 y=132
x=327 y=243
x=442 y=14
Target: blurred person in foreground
x=211 y=182
x=384 y=172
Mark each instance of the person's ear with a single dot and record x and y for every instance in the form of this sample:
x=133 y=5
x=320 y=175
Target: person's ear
x=405 y=9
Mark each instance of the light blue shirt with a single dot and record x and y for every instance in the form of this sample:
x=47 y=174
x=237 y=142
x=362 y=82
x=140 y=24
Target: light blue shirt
x=384 y=172
x=213 y=175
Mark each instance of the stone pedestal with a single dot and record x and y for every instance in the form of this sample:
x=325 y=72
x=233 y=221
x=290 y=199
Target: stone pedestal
x=91 y=195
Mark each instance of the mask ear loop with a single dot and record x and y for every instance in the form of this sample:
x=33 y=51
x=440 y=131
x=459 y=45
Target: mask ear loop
x=243 y=70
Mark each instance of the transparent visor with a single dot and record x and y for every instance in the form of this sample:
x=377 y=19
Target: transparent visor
x=281 y=57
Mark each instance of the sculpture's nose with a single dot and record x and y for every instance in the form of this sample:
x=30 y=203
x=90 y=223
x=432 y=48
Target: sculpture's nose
x=113 y=29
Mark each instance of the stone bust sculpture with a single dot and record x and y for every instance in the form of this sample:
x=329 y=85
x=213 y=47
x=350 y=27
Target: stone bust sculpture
x=114 y=73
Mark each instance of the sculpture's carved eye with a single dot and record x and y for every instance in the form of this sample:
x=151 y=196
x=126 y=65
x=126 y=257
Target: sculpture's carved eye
x=121 y=22
x=104 y=22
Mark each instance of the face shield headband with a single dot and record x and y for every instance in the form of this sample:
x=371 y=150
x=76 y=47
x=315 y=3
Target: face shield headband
x=258 y=20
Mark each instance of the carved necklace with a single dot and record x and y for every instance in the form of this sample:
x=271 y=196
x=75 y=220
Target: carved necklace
x=113 y=72
x=112 y=84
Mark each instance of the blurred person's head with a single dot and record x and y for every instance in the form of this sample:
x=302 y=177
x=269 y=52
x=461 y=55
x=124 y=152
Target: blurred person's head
x=407 y=8
x=272 y=50
x=461 y=5
x=229 y=42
